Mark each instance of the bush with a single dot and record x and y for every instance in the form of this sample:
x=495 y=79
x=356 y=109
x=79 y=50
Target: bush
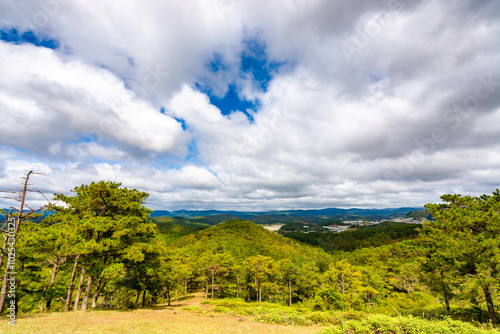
x=332 y=299
x=404 y=325
x=292 y=319
x=193 y=308
x=220 y=309
x=323 y=318
x=318 y=304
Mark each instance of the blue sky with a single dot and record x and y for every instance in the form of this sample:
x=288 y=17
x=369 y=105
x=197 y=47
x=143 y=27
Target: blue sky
x=253 y=105
x=231 y=101
x=254 y=65
x=13 y=36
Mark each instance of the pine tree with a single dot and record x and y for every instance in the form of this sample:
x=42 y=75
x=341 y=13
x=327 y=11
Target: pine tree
x=108 y=224
x=464 y=240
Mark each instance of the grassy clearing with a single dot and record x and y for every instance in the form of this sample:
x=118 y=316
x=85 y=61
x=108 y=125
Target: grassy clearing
x=184 y=317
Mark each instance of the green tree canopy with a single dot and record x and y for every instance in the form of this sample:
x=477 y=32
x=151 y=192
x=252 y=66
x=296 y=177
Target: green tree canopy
x=464 y=240
x=108 y=224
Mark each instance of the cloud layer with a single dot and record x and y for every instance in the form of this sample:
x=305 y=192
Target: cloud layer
x=369 y=105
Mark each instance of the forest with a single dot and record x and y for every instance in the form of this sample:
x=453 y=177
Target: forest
x=100 y=249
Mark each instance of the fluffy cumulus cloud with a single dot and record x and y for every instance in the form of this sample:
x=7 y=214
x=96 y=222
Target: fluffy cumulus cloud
x=253 y=105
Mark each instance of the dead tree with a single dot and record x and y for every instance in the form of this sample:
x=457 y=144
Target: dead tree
x=11 y=229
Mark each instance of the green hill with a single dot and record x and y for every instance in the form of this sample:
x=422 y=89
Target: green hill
x=420 y=214
x=243 y=239
x=174 y=228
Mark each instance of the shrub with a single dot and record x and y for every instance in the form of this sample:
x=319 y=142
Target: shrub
x=192 y=308
x=319 y=304
x=284 y=319
x=332 y=298
x=404 y=325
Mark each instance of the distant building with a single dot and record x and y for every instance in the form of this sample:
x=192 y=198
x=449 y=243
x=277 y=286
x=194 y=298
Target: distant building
x=337 y=228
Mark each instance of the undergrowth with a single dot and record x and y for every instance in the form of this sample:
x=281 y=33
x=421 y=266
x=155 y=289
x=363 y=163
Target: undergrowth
x=349 y=322
x=380 y=323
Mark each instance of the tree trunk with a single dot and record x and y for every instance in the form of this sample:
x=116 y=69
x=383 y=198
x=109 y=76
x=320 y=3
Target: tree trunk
x=238 y=287
x=289 y=292
x=446 y=300
x=206 y=290
x=54 y=272
x=212 y=287
x=48 y=304
x=98 y=287
x=9 y=276
x=102 y=304
x=16 y=302
x=137 y=296
x=489 y=303
x=52 y=280
x=256 y=289
x=3 y=249
x=185 y=286
x=10 y=263
x=79 y=292
x=445 y=293
x=144 y=298
x=96 y=293
x=118 y=301
x=71 y=285
x=86 y=296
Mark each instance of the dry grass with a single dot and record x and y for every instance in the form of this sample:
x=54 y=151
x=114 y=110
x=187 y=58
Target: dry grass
x=164 y=319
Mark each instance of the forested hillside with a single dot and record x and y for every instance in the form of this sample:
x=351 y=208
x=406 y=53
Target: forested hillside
x=360 y=237
x=241 y=258
x=171 y=229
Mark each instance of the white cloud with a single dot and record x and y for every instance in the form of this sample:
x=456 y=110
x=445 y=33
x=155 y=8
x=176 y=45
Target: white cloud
x=46 y=100
x=376 y=127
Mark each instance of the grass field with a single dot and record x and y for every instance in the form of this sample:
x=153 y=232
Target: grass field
x=178 y=318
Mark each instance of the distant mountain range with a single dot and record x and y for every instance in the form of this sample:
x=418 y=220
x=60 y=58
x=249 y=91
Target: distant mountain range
x=269 y=217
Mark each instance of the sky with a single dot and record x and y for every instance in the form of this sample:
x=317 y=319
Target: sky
x=252 y=104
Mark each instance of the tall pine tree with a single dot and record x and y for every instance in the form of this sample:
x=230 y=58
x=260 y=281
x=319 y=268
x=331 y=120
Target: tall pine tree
x=464 y=240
